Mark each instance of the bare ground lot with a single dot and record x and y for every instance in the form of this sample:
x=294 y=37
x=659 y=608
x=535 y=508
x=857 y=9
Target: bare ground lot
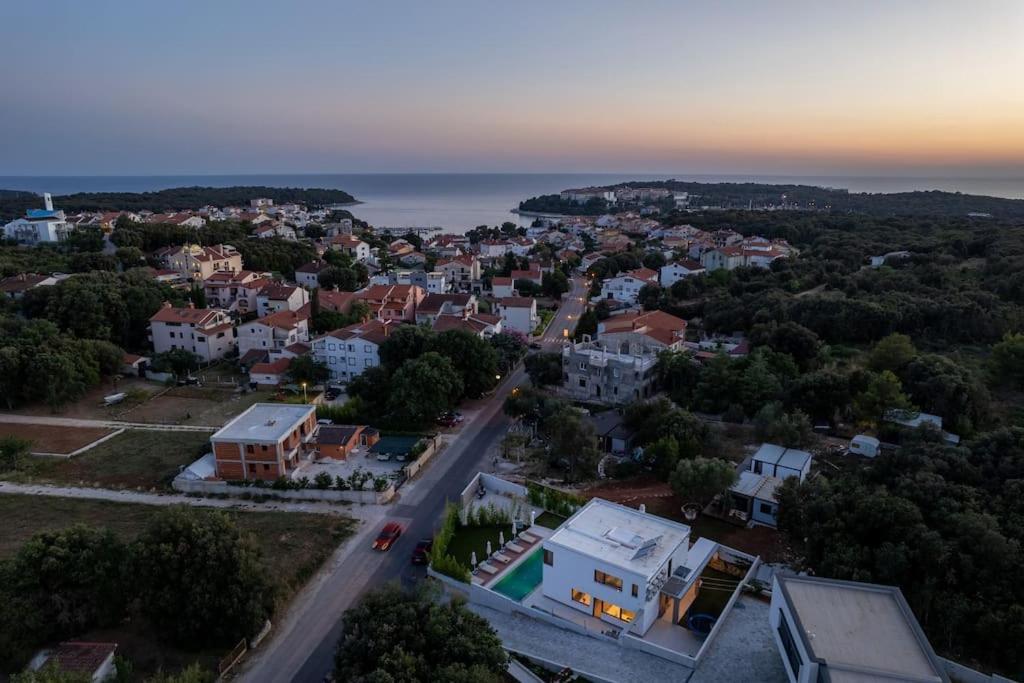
x=294 y=545
x=133 y=459
x=49 y=439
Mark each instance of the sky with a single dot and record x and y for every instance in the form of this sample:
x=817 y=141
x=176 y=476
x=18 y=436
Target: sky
x=137 y=87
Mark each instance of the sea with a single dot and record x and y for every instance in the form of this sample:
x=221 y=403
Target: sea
x=458 y=202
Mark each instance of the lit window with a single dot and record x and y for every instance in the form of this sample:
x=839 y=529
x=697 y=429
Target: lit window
x=617 y=612
x=581 y=597
x=608 y=580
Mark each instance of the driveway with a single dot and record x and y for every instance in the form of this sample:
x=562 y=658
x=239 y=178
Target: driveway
x=301 y=647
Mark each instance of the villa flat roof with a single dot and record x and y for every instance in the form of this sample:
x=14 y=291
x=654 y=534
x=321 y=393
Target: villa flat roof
x=859 y=631
x=636 y=541
x=269 y=422
x=791 y=458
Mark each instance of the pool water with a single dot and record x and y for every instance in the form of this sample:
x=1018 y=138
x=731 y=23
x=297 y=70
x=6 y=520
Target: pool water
x=523 y=578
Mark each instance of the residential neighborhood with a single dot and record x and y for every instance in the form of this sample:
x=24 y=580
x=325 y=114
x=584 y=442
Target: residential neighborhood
x=589 y=428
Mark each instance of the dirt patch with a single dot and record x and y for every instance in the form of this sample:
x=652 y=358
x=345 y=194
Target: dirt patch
x=50 y=439
x=91 y=405
x=658 y=498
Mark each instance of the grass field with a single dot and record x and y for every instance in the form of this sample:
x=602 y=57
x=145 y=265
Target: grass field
x=294 y=545
x=49 y=439
x=470 y=539
x=132 y=459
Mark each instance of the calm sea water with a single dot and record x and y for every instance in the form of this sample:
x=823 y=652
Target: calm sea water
x=458 y=202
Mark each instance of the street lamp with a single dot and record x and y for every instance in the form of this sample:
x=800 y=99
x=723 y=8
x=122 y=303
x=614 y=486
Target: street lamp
x=304 y=398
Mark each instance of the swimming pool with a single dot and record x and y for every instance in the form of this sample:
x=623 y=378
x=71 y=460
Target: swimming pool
x=523 y=578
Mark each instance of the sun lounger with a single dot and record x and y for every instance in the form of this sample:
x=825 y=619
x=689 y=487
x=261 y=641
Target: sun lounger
x=514 y=547
x=528 y=537
x=487 y=567
x=501 y=557
x=478 y=581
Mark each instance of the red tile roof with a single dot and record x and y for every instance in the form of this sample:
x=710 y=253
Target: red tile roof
x=188 y=316
x=276 y=368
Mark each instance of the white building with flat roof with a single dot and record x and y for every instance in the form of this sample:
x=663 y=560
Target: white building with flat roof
x=843 y=631
x=610 y=561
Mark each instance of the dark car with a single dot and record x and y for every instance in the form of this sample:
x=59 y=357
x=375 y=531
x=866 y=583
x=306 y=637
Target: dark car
x=535 y=345
x=448 y=419
x=387 y=537
x=421 y=553
x=332 y=394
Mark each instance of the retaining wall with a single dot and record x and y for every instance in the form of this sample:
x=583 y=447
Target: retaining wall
x=223 y=488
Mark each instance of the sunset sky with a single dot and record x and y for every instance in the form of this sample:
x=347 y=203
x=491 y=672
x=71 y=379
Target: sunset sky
x=925 y=87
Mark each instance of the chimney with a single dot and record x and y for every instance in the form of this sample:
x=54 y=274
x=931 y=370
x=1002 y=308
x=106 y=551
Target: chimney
x=48 y=201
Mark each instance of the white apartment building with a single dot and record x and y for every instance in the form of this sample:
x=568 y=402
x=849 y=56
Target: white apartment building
x=674 y=272
x=206 y=332
x=349 y=351
x=234 y=291
x=611 y=562
x=39 y=225
x=518 y=313
x=351 y=245
x=274 y=332
x=280 y=297
x=626 y=287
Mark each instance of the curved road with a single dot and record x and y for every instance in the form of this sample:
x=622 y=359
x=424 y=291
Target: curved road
x=301 y=647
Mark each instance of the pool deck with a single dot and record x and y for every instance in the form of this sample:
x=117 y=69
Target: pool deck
x=483 y=578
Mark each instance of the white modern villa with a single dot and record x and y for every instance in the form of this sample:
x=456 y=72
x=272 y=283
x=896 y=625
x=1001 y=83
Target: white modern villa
x=611 y=562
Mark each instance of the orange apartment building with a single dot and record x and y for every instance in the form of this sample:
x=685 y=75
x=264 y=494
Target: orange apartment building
x=267 y=441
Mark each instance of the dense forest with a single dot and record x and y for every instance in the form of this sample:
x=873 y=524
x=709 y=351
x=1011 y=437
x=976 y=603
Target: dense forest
x=805 y=197
x=14 y=204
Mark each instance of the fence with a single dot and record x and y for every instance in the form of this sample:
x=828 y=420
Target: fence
x=232 y=658
x=413 y=468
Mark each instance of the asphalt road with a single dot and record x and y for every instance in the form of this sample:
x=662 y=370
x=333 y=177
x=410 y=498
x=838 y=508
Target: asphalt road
x=574 y=303
x=304 y=651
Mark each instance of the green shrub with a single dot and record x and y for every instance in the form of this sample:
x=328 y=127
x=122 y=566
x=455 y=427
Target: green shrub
x=322 y=481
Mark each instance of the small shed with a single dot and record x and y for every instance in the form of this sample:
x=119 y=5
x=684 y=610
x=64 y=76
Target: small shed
x=865 y=445
x=91 y=661
x=134 y=366
x=781 y=462
x=755 y=496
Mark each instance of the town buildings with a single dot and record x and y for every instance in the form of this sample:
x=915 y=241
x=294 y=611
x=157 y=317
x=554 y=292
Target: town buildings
x=206 y=332
x=267 y=441
x=235 y=292
x=636 y=332
x=461 y=271
x=351 y=245
x=393 y=302
x=674 y=272
x=308 y=274
x=273 y=332
x=338 y=441
x=434 y=305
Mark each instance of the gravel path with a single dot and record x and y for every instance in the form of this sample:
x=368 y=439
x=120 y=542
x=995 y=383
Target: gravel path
x=360 y=512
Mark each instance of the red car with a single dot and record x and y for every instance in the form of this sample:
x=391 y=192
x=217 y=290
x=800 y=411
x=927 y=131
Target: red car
x=387 y=537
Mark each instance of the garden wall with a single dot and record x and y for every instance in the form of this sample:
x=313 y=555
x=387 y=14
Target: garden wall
x=413 y=468
x=223 y=488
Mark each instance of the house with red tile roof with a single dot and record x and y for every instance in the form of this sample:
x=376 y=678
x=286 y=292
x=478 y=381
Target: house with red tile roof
x=393 y=302
x=274 y=331
x=654 y=329
x=272 y=374
x=195 y=263
x=234 y=292
x=279 y=296
x=206 y=332
x=482 y=325
x=626 y=287
x=349 y=351
x=518 y=314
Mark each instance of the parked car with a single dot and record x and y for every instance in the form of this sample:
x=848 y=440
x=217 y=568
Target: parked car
x=324 y=421
x=331 y=393
x=447 y=419
x=387 y=537
x=421 y=553
x=536 y=346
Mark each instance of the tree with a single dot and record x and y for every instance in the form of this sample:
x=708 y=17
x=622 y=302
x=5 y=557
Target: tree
x=586 y=325
x=662 y=455
x=201 y=580
x=789 y=337
x=474 y=359
x=405 y=343
x=197 y=295
x=544 y=368
x=573 y=443
x=944 y=387
x=13 y=452
x=1007 y=362
x=344 y=279
x=177 y=361
x=649 y=297
x=792 y=430
x=892 y=353
x=527 y=287
x=59 y=584
x=678 y=373
x=510 y=347
x=653 y=260
x=701 y=479
x=51 y=673
x=393 y=635
x=555 y=284
x=193 y=673
x=306 y=369
x=883 y=392
x=424 y=387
